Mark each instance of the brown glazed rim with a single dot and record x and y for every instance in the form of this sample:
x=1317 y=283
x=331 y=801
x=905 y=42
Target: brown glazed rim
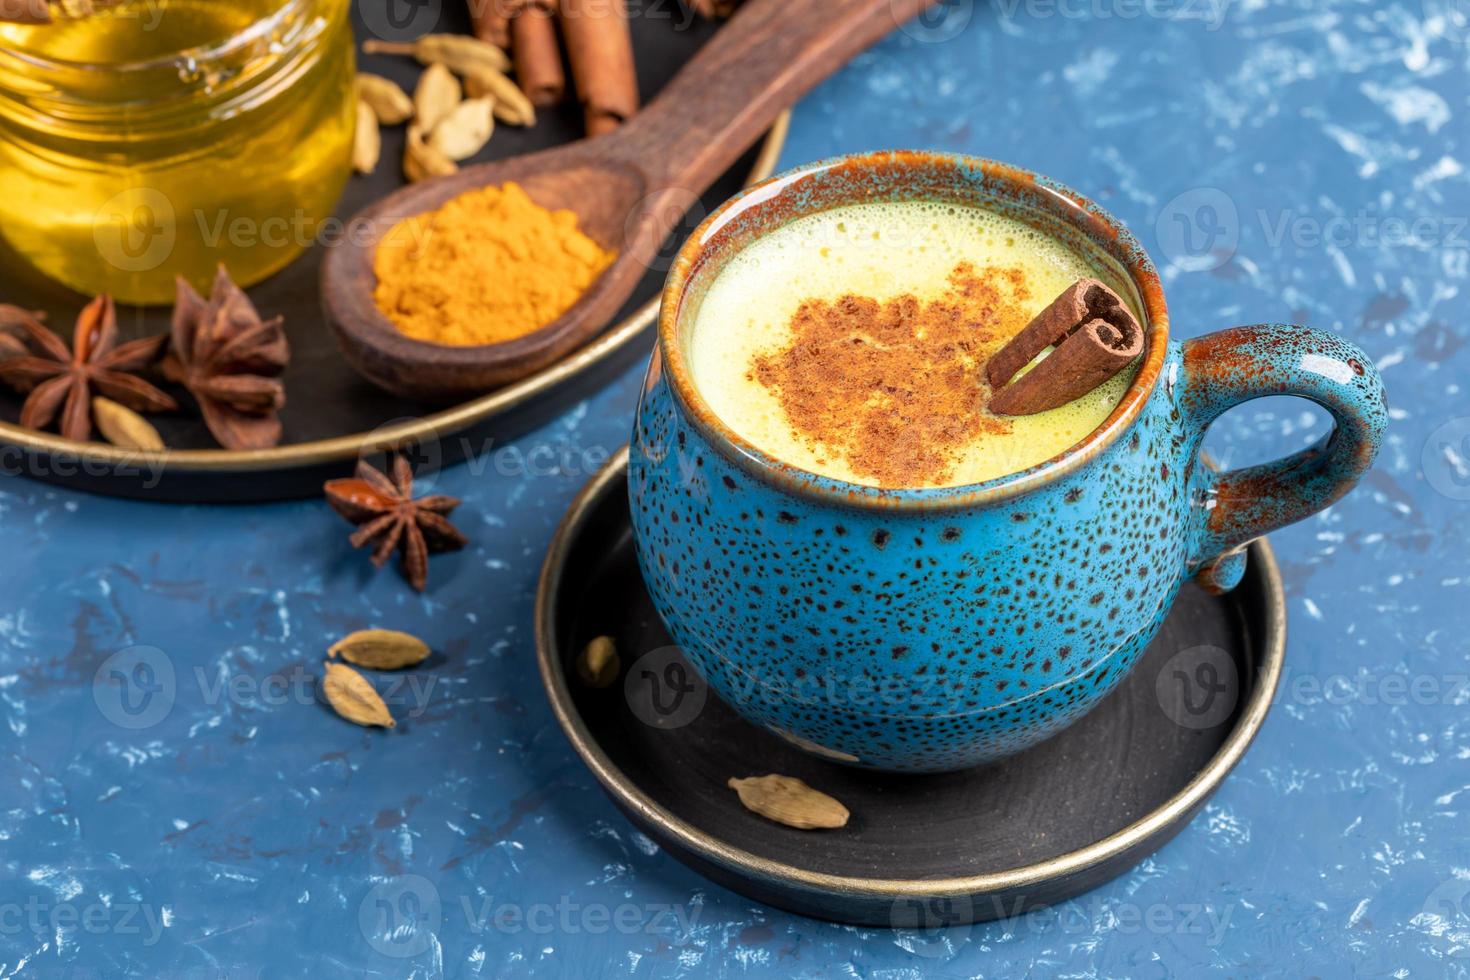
x=710 y=848
x=347 y=447
x=1105 y=231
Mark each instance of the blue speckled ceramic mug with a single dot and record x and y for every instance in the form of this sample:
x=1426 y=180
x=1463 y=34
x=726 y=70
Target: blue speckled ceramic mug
x=932 y=629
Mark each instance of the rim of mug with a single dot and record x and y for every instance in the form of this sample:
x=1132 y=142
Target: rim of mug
x=1106 y=232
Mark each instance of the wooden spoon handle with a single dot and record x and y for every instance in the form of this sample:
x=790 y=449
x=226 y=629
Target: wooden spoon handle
x=768 y=55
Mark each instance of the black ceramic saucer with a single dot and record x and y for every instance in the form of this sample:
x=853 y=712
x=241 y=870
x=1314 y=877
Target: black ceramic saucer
x=1032 y=830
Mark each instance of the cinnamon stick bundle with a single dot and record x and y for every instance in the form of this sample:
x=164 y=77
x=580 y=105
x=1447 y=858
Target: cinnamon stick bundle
x=1094 y=336
x=600 y=49
x=491 y=20
x=536 y=53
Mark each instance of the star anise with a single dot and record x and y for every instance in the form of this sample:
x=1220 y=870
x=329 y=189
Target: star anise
x=228 y=358
x=389 y=518
x=11 y=318
x=61 y=380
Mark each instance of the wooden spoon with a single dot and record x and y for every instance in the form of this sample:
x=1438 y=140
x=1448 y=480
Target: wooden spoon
x=629 y=189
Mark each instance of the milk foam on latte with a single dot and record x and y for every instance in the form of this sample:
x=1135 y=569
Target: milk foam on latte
x=852 y=343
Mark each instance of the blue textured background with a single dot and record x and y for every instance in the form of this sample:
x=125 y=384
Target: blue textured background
x=247 y=832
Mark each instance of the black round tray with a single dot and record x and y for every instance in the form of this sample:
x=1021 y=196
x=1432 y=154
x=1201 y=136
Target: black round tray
x=990 y=842
x=332 y=415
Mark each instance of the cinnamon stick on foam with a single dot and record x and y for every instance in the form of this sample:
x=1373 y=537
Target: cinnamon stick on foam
x=536 y=53
x=490 y=20
x=1094 y=336
x=25 y=11
x=600 y=49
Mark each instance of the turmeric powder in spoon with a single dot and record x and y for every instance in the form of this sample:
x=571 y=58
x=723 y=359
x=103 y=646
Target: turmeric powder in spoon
x=488 y=266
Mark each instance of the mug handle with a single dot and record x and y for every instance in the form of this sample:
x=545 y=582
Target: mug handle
x=1231 y=367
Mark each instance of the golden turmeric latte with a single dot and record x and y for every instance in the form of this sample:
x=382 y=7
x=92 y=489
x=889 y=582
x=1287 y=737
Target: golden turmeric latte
x=488 y=266
x=852 y=343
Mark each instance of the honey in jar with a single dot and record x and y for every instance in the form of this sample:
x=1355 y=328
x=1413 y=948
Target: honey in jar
x=162 y=137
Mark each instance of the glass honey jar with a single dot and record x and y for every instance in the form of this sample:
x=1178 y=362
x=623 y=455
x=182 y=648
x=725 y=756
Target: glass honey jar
x=161 y=137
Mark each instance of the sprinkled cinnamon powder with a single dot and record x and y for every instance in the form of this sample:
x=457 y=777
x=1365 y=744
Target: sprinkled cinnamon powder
x=896 y=387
